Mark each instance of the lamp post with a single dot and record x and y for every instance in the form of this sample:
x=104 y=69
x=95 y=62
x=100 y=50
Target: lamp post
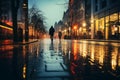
x=15 y=6
x=84 y=30
x=25 y=8
x=84 y=24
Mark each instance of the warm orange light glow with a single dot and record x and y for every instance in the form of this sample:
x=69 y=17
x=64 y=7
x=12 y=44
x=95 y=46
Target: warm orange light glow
x=92 y=56
x=84 y=29
x=24 y=5
x=24 y=71
x=101 y=55
x=115 y=28
x=75 y=27
x=84 y=24
x=6 y=27
x=75 y=50
x=84 y=50
x=92 y=21
x=9 y=23
x=65 y=30
x=80 y=29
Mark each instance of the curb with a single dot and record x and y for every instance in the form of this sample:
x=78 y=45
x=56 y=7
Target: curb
x=24 y=43
x=115 y=41
x=19 y=43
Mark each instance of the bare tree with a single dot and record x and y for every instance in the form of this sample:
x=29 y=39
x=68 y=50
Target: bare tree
x=37 y=19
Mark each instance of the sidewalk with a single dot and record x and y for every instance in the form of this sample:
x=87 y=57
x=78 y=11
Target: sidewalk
x=101 y=40
x=10 y=42
x=49 y=65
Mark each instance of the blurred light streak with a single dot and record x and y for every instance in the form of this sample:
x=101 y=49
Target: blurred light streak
x=6 y=27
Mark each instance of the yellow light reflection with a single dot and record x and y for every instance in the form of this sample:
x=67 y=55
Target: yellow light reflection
x=101 y=55
x=24 y=71
x=114 y=59
x=6 y=27
x=84 y=50
x=92 y=53
x=75 y=49
x=75 y=27
x=45 y=36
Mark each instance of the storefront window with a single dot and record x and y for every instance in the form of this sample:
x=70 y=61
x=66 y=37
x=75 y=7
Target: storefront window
x=101 y=24
x=96 y=25
x=114 y=29
x=106 y=19
x=113 y=17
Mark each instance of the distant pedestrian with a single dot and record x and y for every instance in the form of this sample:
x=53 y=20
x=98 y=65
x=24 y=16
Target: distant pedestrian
x=59 y=35
x=20 y=34
x=51 y=32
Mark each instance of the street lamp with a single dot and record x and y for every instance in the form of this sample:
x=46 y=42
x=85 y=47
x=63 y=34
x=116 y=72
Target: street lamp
x=75 y=27
x=91 y=21
x=84 y=24
x=25 y=8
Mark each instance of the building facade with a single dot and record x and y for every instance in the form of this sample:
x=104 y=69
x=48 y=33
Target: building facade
x=105 y=19
x=77 y=18
x=5 y=20
x=6 y=23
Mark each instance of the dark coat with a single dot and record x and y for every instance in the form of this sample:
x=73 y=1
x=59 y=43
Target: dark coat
x=51 y=31
x=59 y=34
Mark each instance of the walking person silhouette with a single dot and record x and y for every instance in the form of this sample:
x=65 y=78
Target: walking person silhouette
x=59 y=35
x=51 y=32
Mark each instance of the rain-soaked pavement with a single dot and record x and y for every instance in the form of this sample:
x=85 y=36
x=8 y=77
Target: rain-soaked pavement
x=60 y=60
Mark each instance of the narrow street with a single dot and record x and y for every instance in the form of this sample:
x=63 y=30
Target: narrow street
x=60 y=60
x=59 y=39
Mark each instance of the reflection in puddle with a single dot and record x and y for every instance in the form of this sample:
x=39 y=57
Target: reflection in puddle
x=104 y=58
x=85 y=61
x=24 y=71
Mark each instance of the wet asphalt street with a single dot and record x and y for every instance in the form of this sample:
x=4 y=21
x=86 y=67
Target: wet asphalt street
x=60 y=60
